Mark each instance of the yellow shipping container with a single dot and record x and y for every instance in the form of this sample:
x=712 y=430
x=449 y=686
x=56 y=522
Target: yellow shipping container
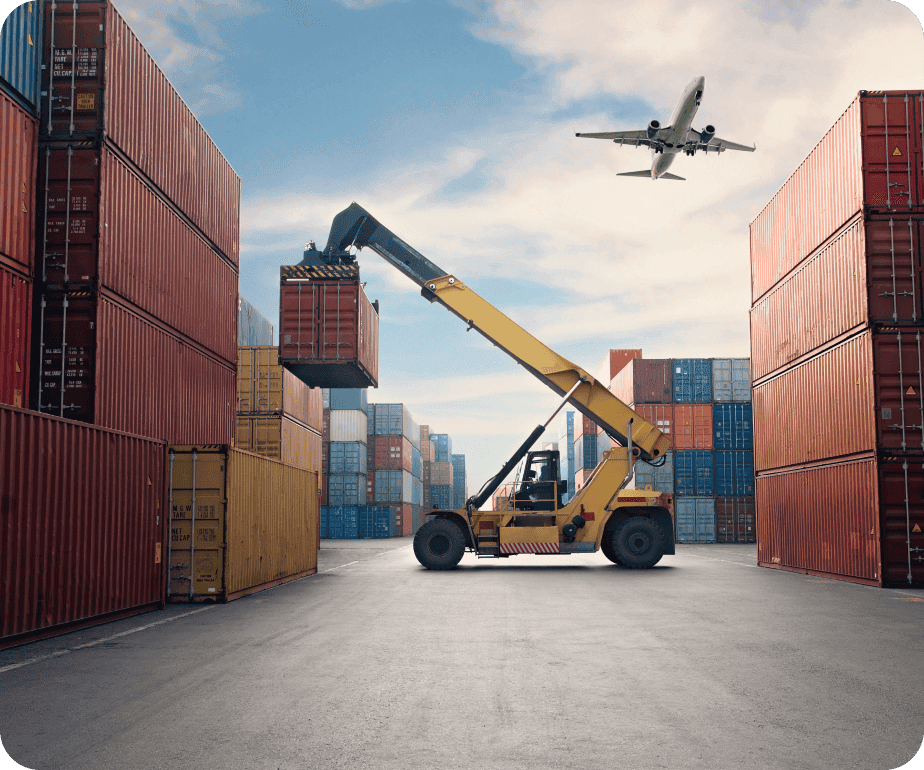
x=281 y=438
x=255 y=522
x=265 y=387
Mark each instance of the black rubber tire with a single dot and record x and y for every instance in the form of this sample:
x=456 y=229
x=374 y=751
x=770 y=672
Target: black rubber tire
x=439 y=544
x=638 y=542
x=606 y=545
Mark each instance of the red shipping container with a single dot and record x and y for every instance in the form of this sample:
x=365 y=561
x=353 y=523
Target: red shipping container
x=112 y=229
x=858 y=396
x=870 y=160
x=735 y=521
x=370 y=487
x=18 y=154
x=15 y=323
x=392 y=453
x=404 y=519
x=118 y=93
x=83 y=535
x=118 y=370
x=644 y=381
x=659 y=415
x=584 y=426
x=855 y=520
x=325 y=454
x=871 y=271
x=328 y=329
x=693 y=426
x=325 y=424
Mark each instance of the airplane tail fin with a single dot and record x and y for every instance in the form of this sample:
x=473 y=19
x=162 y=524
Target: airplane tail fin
x=665 y=175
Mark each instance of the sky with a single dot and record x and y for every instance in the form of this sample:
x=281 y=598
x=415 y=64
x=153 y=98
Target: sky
x=453 y=122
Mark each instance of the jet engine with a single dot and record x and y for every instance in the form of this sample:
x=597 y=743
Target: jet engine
x=707 y=133
x=653 y=129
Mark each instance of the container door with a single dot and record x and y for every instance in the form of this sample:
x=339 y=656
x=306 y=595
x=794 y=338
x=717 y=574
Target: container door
x=891 y=168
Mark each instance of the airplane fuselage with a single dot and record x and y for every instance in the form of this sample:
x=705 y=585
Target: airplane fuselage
x=674 y=137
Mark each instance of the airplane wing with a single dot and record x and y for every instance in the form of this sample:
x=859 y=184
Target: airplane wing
x=715 y=144
x=632 y=138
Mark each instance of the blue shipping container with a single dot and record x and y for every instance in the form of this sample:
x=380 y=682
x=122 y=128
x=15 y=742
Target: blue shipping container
x=347 y=458
x=416 y=492
x=732 y=426
x=442 y=447
x=389 y=486
x=585 y=452
x=661 y=479
x=20 y=38
x=692 y=380
x=342 y=522
x=415 y=513
x=349 y=399
x=252 y=327
x=416 y=465
x=376 y=521
x=734 y=474
x=440 y=497
x=346 y=490
x=731 y=379
x=566 y=462
x=322 y=521
x=693 y=473
x=695 y=519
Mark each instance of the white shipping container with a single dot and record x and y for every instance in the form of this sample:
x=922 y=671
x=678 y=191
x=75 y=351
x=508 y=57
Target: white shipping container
x=411 y=428
x=441 y=474
x=348 y=425
x=407 y=487
x=731 y=379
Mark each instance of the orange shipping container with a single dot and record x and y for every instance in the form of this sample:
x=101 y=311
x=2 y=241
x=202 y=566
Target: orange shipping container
x=693 y=426
x=281 y=438
x=659 y=415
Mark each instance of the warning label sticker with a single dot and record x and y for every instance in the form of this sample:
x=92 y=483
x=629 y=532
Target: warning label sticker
x=896 y=151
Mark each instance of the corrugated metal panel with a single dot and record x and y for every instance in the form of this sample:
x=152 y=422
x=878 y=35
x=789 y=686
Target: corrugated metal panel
x=695 y=519
x=84 y=524
x=253 y=329
x=441 y=496
x=694 y=473
x=659 y=415
x=323 y=519
x=416 y=463
x=660 y=478
x=735 y=521
x=407 y=487
x=20 y=38
x=349 y=399
x=343 y=522
x=123 y=95
x=823 y=518
x=112 y=229
x=819 y=409
x=901 y=520
x=15 y=325
x=441 y=473
x=264 y=387
x=733 y=426
x=442 y=446
x=731 y=379
x=347 y=458
x=348 y=425
x=693 y=426
x=346 y=489
x=734 y=473
x=392 y=453
x=692 y=380
x=585 y=452
x=18 y=160
x=403 y=519
x=376 y=521
x=644 y=381
x=281 y=438
x=584 y=426
x=122 y=372
x=328 y=331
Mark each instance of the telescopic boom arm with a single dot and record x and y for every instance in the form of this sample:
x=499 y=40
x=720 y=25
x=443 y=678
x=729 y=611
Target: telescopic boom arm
x=355 y=226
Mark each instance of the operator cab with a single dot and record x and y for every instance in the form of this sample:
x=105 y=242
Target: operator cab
x=540 y=488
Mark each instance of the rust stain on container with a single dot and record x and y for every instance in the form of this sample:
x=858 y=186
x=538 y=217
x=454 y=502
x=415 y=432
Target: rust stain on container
x=120 y=96
x=869 y=161
x=18 y=154
x=239 y=523
x=15 y=325
x=328 y=330
x=83 y=513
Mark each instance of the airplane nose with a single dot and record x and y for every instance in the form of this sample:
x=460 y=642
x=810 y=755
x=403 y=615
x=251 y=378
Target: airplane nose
x=701 y=81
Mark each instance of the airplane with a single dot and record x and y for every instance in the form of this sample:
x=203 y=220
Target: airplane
x=677 y=137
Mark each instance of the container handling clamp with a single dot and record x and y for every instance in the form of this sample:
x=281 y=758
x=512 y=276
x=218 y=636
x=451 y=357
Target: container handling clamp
x=633 y=528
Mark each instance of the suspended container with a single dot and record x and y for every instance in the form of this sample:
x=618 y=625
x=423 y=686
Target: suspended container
x=69 y=489
x=869 y=162
x=328 y=328
x=858 y=520
x=255 y=522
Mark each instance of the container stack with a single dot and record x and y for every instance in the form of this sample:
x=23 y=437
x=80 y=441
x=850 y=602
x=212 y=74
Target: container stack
x=459 y=486
x=19 y=74
x=278 y=416
x=566 y=452
x=426 y=458
x=345 y=462
x=836 y=320
x=136 y=270
x=441 y=473
x=584 y=451
x=397 y=465
x=703 y=405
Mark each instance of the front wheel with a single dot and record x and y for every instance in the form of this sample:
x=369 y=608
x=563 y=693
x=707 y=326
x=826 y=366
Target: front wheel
x=606 y=545
x=638 y=542
x=439 y=544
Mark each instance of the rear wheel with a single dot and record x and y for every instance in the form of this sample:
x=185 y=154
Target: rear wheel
x=638 y=542
x=439 y=544
x=606 y=545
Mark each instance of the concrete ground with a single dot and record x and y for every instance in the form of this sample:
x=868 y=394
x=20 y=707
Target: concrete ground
x=705 y=661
